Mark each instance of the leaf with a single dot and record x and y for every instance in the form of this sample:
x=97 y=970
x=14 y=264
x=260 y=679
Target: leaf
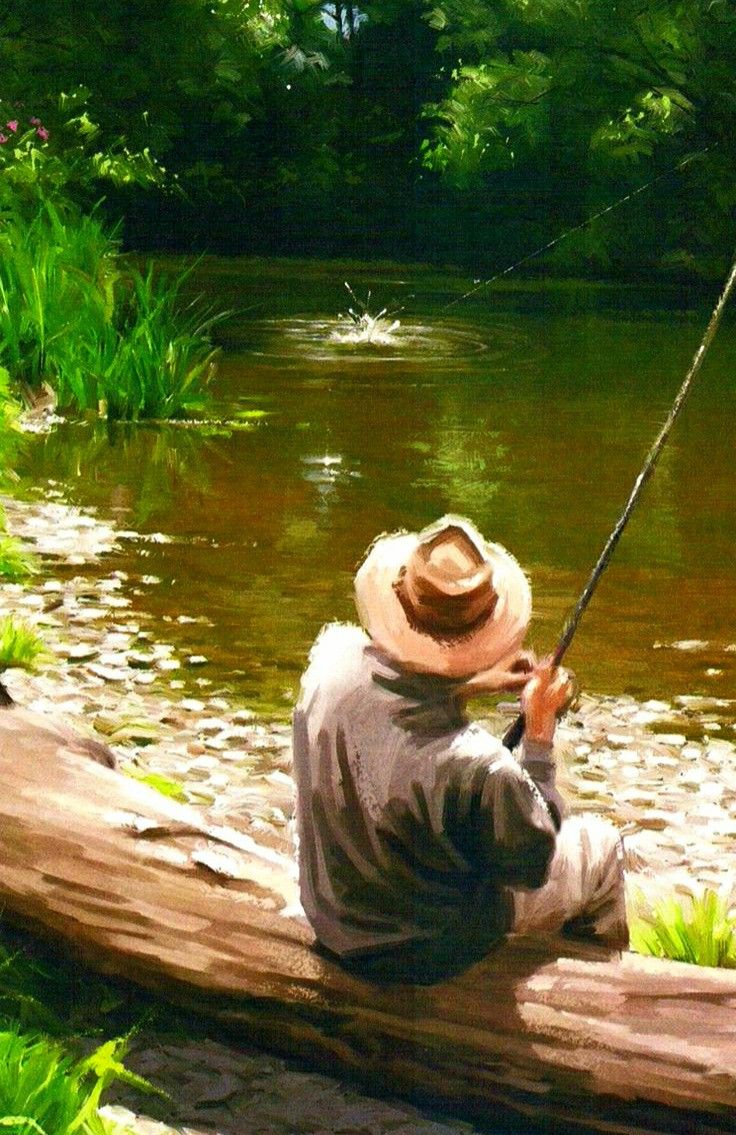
x=163 y=784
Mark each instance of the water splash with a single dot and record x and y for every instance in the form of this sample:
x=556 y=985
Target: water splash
x=361 y=328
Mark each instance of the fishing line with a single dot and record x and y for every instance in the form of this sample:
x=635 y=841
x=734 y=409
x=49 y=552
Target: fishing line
x=515 y=732
x=577 y=228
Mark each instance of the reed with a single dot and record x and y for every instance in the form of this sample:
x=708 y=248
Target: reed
x=126 y=345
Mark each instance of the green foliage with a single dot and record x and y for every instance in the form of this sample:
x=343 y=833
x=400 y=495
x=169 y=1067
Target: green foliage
x=15 y=562
x=46 y=1085
x=44 y=1089
x=61 y=157
x=163 y=784
x=439 y=128
x=495 y=116
x=57 y=282
x=124 y=345
x=11 y=437
x=153 y=360
x=20 y=645
x=547 y=94
x=700 y=930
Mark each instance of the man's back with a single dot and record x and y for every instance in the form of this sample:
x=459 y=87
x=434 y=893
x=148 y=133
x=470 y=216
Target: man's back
x=411 y=821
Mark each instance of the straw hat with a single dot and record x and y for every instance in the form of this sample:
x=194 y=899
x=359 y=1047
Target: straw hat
x=443 y=601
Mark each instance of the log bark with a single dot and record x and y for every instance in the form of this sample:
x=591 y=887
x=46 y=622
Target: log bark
x=160 y=893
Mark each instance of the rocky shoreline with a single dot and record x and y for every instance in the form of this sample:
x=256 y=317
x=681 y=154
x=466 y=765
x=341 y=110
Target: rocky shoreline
x=663 y=771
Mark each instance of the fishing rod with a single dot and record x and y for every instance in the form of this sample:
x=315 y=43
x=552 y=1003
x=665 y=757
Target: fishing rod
x=577 y=228
x=515 y=732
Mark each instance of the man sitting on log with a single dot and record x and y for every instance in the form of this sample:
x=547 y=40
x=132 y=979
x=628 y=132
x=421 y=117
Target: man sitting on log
x=422 y=840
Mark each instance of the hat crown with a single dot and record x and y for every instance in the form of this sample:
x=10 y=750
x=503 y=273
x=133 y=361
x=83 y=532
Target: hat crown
x=446 y=587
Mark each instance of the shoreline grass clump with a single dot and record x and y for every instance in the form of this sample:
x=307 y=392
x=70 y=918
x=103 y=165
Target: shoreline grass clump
x=123 y=344
x=20 y=645
x=152 y=358
x=700 y=929
x=16 y=563
x=74 y=317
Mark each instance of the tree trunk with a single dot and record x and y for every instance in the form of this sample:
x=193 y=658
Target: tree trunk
x=158 y=892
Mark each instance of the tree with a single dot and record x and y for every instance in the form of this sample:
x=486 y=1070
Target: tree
x=569 y=105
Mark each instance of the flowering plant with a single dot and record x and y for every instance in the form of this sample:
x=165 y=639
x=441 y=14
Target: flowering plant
x=54 y=157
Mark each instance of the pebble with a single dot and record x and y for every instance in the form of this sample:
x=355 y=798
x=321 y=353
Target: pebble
x=113 y=658
x=192 y=705
x=79 y=651
x=108 y=673
x=654 y=821
x=144 y=678
x=675 y=739
x=619 y=740
x=204 y=764
x=211 y=725
x=88 y=615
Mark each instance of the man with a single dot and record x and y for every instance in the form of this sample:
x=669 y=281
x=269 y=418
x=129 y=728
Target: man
x=422 y=840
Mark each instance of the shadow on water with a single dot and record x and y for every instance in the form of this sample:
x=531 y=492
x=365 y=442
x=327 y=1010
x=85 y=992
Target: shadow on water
x=531 y=413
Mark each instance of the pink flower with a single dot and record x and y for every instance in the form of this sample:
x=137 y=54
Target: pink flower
x=43 y=133
x=12 y=125
x=35 y=121
x=3 y=139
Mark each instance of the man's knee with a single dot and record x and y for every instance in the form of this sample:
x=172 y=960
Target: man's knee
x=594 y=839
x=602 y=914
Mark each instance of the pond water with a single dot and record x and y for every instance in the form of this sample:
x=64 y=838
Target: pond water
x=529 y=409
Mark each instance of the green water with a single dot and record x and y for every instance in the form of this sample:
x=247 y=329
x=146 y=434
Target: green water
x=529 y=410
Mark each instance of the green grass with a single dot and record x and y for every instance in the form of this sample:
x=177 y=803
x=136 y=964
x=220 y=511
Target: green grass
x=20 y=645
x=46 y=1090
x=700 y=930
x=16 y=563
x=153 y=360
x=47 y=1083
x=122 y=344
x=174 y=789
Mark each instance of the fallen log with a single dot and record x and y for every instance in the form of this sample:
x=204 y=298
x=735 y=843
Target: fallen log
x=160 y=893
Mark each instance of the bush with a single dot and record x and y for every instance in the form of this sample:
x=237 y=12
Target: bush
x=46 y=1002
x=700 y=930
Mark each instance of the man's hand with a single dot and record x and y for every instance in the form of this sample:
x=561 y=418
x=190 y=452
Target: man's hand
x=510 y=676
x=547 y=694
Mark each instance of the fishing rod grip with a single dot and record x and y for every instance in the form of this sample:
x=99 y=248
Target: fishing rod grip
x=514 y=733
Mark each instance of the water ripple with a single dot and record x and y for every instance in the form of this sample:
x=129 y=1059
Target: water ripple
x=292 y=340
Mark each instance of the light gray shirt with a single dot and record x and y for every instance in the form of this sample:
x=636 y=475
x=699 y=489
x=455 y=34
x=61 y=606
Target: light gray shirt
x=411 y=819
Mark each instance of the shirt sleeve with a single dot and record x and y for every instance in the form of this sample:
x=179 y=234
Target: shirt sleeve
x=537 y=760
x=494 y=813
x=518 y=832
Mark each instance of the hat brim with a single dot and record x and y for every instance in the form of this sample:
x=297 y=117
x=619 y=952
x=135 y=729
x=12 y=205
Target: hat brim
x=493 y=641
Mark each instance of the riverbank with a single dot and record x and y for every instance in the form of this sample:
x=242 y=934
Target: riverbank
x=664 y=771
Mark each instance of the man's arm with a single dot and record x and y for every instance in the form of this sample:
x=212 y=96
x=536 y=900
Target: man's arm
x=546 y=695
